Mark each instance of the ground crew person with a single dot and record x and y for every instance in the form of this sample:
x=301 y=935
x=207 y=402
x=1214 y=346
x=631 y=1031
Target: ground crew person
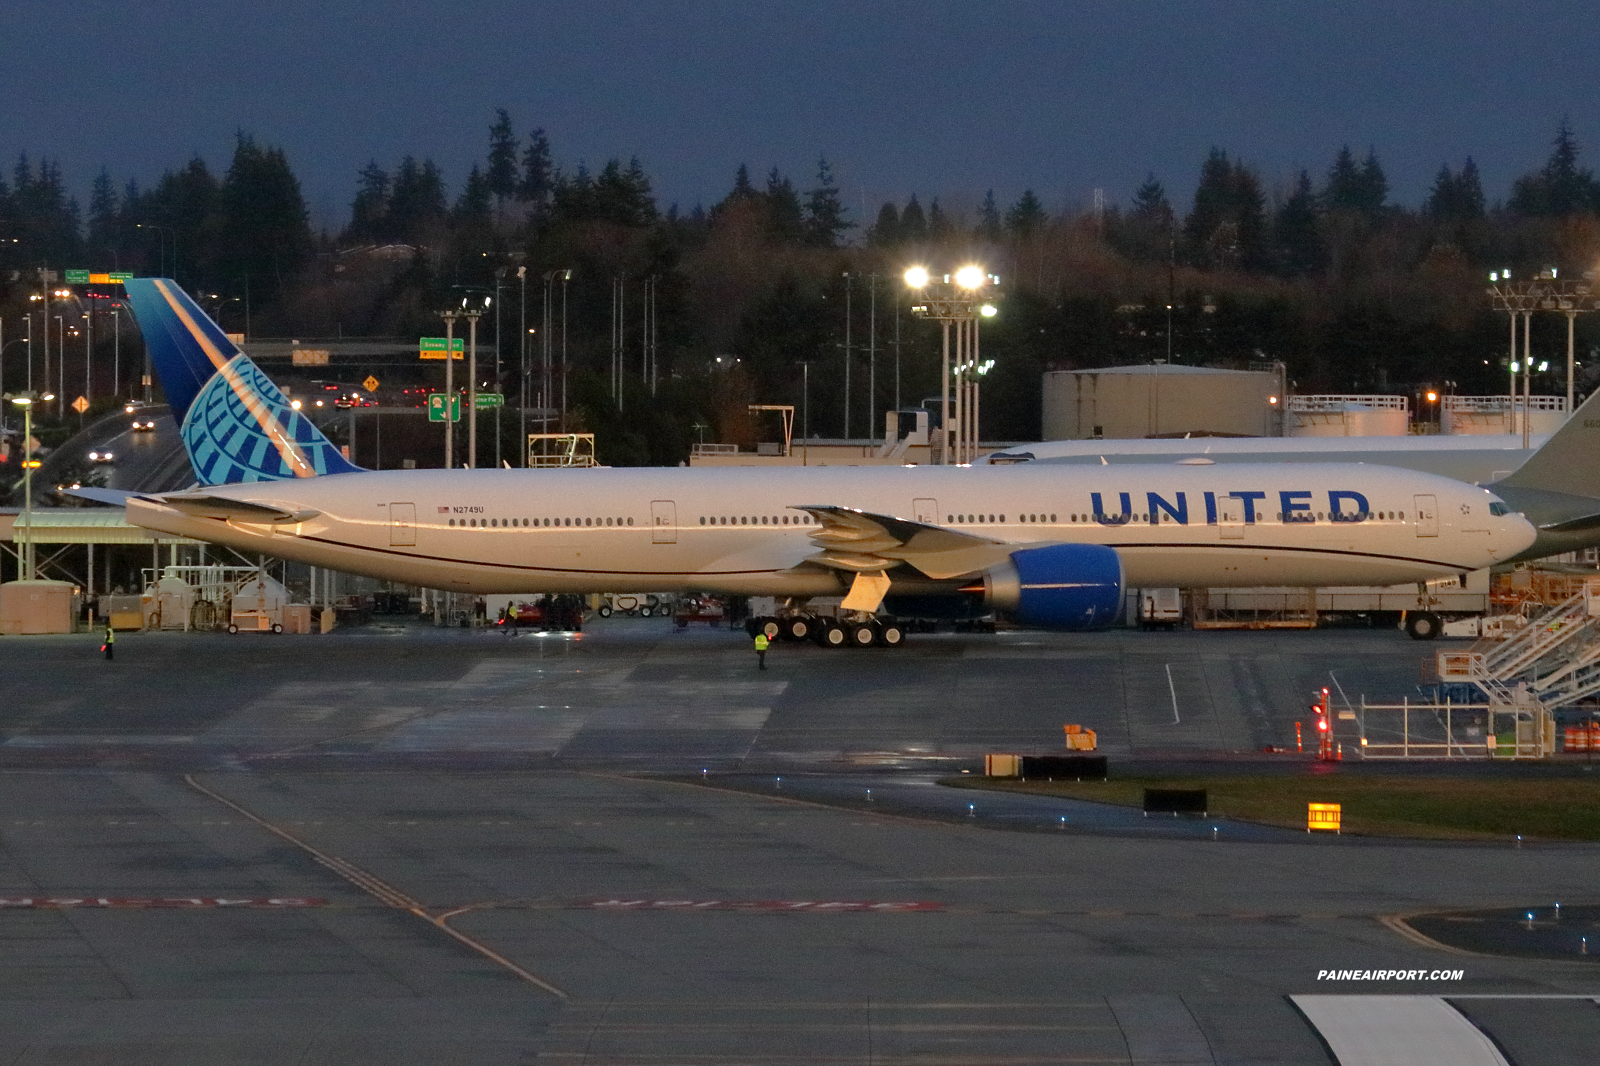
x=761 y=648
x=111 y=641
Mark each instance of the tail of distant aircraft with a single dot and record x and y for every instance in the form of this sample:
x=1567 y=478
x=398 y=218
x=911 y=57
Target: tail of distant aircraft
x=236 y=425
x=1569 y=462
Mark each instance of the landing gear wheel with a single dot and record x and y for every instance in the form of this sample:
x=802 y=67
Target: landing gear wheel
x=1423 y=625
x=604 y=611
x=831 y=634
x=771 y=627
x=797 y=628
x=891 y=635
x=864 y=634
x=646 y=611
x=232 y=628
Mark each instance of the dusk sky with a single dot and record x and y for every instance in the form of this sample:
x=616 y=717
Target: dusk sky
x=934 y=98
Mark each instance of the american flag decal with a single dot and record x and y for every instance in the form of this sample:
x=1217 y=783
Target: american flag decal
x=444 y=510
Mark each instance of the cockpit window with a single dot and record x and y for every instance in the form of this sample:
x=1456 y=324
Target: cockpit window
x=1498 y=508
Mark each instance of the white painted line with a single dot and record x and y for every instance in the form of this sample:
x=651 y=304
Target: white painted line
x=1398 y=1031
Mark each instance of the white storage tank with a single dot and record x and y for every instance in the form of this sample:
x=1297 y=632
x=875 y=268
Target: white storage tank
x=1342 y=415
x=1487 y=415
x=1132 y=402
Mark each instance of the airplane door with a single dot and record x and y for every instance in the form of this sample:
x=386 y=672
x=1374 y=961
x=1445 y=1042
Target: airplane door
x=1427 y=516
x=926 y=511
x=1230 y=517
x=663 y=522
x=403 y=525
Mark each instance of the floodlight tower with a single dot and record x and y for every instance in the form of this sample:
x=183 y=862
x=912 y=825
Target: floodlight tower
x=958 y=299
x=1545 y=292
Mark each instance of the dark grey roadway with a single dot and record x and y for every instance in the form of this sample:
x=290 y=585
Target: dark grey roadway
x=478 y=860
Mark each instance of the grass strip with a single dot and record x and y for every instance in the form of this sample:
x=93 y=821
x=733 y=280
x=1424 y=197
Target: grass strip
x=1467 y=808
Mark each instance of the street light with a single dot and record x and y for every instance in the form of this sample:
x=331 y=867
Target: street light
x=960 y=300
x=26 y=400
x=161 y=245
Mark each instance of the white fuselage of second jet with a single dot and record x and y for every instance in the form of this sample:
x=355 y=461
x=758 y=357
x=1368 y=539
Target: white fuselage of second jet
x=739 y=530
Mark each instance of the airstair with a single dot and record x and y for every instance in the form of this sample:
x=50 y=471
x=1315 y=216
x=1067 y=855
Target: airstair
x=1548 y=664
x=1554 y=659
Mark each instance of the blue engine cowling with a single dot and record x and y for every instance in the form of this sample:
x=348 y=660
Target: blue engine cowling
x=1064 y=586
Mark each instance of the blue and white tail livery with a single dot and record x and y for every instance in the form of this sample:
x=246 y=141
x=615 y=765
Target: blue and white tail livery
x=236 y=425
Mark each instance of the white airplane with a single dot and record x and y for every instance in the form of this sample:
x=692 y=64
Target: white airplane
x=1477 y=460
x=1052 y=546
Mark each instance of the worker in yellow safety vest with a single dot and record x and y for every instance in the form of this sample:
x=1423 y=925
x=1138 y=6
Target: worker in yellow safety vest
x=110 y=644
x=762 y=643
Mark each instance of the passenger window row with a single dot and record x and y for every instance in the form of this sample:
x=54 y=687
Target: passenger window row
x=519 y=523
x=755 y=520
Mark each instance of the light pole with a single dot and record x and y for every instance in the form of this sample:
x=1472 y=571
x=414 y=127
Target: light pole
x=26 y=401
x=449 y=385
x=566 y=276
x=958 y=299
x=161 y=246
x=499 y=276
x=472 y=315
x=522 y=356
x=61 y=363
x=847 y=281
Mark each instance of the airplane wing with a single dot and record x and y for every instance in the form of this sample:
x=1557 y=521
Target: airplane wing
x=115 y=497
x=869 y=545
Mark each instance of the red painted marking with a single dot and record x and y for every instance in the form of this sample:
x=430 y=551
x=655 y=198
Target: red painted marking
x=146 y=902
x=881 y=907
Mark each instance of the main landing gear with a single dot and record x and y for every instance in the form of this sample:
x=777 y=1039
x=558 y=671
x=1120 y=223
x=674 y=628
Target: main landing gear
x=860 y=631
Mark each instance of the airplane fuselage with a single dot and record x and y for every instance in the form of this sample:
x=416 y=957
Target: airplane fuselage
x=738 y=530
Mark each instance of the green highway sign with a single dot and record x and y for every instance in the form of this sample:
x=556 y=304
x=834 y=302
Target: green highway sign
x=433 y=347
x=436 y=406
x=115 y=277
x=77 y=277
x=488 y=399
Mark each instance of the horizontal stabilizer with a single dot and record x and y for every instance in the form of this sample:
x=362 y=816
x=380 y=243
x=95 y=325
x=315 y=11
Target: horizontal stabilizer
x=208 y=506
x=114 y=497
x=1580 y=524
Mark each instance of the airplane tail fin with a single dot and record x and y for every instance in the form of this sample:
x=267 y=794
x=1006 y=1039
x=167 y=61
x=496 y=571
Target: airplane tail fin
x=236 y=425
x=1569 y=462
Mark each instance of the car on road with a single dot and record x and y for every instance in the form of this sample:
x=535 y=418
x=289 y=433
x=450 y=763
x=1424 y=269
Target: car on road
x=102 y=457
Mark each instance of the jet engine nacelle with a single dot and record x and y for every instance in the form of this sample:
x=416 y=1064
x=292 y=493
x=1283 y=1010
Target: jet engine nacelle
x=1064 y=586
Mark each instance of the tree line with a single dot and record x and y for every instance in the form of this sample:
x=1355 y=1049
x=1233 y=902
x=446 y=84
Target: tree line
x=1327 y=274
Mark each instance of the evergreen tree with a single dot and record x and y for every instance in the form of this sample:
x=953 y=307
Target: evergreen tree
x=501 y=174
x=785 y=216
x=1027 y=215
x=1373 y=187
x=989 y=218
x=886 y=231
x=536 y=182
x=1561 y=188
x=104 y=223
x=1227 y=227
x=825 y=214
x=263 y=225
x=416 y=203
x=1343 y=191
x=622 y=197
x=1297 y=244
x=46 y=218
x=370 y=209
x=1150 y=204
x=1469 y=190
x=186 y=201
x=938 y=223
x=913 y=223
